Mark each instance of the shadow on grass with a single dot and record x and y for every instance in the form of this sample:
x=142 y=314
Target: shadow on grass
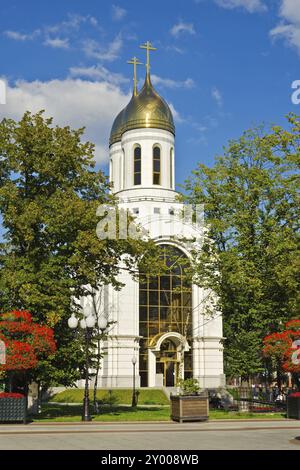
x=57 y=411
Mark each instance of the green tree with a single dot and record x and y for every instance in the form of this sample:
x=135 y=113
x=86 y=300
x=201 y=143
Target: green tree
x=49 y=194
x=250 y=253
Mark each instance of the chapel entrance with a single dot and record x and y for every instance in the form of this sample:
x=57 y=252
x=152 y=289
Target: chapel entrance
x=168 y=363
x=165 y=309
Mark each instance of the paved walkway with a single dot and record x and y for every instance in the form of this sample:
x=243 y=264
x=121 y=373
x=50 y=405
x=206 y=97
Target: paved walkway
x=233 y=435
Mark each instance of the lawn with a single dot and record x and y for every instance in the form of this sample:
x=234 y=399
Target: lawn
x=65 y=413
x=221 y=414
x=114 y=413
x=113 y=397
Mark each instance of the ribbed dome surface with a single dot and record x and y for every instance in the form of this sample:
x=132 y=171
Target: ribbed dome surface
x=147 y=109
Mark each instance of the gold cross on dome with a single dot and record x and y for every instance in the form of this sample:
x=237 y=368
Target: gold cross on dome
x=135 y=62
x=148 y=46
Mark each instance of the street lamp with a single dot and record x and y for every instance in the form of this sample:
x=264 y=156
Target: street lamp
x=87 y=324
x=134 y=400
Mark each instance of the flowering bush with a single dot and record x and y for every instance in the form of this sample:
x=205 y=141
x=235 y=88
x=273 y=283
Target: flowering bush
x=281 y=346
x=11 y=395
x=26 y=342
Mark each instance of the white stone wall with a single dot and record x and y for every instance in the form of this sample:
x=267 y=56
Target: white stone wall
x=121 y=156
x=144 y=202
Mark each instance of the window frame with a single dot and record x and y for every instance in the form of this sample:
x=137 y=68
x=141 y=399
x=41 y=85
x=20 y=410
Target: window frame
x=154 y=159
x=137 y=175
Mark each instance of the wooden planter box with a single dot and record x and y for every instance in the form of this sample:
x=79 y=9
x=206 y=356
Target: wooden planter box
x=13 y=409
x=293 y=407
x=189 y=408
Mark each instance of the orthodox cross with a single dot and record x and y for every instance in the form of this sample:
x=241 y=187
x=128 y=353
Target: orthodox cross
x=135 y=62
x=148 y=46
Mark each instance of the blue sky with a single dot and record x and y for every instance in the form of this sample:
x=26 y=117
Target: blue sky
x=223 y=65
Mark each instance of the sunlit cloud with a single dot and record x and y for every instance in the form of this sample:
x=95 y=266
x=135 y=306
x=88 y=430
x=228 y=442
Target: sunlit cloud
x=182 y=28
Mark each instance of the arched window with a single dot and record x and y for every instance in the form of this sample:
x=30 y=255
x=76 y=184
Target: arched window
x=156 y=165
x=137 y=165
x=171 y=168
x=165 y=305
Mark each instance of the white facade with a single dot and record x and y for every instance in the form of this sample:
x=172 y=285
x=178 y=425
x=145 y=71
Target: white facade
x=158 y=210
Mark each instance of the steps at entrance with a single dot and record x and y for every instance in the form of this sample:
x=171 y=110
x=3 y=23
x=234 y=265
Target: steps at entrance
x=168 y=391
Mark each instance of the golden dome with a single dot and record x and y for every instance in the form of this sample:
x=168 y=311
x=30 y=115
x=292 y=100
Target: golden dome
x=146 y=109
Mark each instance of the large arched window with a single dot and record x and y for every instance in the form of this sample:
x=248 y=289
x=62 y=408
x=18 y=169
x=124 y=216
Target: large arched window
x=156 y=165
x=165 y=305
x=137 y=165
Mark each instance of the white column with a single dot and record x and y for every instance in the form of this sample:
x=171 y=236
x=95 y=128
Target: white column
x=151 y=368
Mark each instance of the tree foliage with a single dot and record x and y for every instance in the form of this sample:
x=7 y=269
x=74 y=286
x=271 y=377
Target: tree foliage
x=49 y=195
x=284 y=347
x=26 y=344
x=250 y=253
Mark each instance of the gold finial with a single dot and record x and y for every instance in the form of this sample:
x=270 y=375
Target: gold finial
x=135 y=62
x=148 y=46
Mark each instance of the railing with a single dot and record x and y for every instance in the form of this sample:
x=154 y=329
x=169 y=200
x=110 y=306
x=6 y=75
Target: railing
x=249 y=399
x=254 y=399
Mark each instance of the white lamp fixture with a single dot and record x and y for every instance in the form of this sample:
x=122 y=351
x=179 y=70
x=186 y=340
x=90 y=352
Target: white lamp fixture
x=86 y=310
x=73 y=322
x=90 y=321
x=102 y=323
x=134 y=360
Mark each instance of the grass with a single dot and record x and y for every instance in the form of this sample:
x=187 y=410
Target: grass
x=69 y=413
x=115 y=413
x=221 y=414
x=113 y=397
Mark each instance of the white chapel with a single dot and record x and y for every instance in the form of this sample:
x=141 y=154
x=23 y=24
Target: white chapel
x=159 y=322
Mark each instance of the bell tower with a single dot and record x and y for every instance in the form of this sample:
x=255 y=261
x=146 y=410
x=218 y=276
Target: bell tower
x=160 y=325
x=142 y=140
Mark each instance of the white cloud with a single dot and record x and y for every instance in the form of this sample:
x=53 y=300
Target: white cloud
x=18 y=36
x=169 y=83
x=289 y=32
x=217 y=96
x=118 y=13
x=57 y=43
x=98 y=51
x=174 y=48
x=181 y=27
x=56 y=35
x=73 y=22
x=73 y=102
x=290 y=10
x=98 y=72
x=289 y=28
x=251 y=6
x=176 y=115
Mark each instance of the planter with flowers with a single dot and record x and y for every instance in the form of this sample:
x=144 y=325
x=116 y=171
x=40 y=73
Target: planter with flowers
x=191 y=404
x=293 y=405
x=12 y=407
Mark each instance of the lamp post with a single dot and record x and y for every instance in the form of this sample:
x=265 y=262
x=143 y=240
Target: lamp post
x=134 y=401
x=87 y=324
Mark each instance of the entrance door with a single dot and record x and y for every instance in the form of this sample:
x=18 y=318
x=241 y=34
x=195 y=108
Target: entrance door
x=170 y=373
